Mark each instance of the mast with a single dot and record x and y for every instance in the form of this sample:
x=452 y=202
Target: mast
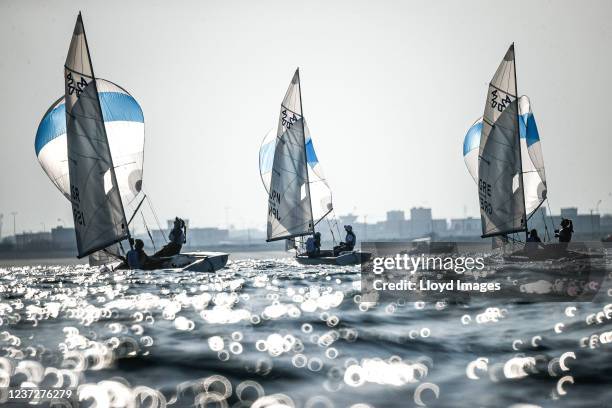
x=112 y=166
x=499 y=162
x=304 y=142
x=518 y=134
x=98 y=210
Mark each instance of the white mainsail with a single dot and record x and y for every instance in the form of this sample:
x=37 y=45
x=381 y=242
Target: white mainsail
x=500 y=178
x=99 y=217
x=534 y=178
x=320 y=192
x=289 y=204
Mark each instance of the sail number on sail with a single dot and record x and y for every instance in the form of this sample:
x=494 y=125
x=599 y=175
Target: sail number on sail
x=484 y=193
x=288 y=122
x=274 y=200
x=500 y=105
x=79 y=217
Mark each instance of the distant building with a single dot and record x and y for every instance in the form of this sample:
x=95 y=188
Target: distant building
x=348 y=219
x=420 y=222
x=569 y=212
x=439 y=226
x=33 y=240
x=63 y=238
x=248 y=235
x=394 y=226
x=605 y=223
x=206 y=236
x=465 y=227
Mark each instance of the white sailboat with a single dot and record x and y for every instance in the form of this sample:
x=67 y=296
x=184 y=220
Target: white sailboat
x=503 y=152
x=294 y=180
x=90 y=143
x=500 y=173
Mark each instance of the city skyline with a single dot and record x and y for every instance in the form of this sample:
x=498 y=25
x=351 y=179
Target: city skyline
x=6 y=224
x=387 y=110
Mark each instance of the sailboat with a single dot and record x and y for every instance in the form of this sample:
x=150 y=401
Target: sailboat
x=294 y=180
x=90 y=143
x=532 y=160
x=505 y=145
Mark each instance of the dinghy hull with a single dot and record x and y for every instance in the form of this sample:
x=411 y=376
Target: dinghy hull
x=344 y=259
x=553 y=252
x=200 y=261
x=188 y=261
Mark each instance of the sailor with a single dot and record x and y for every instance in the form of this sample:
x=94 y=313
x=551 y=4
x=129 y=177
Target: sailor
x=177 y=238
x=349 y=241
x=317 y=241
x=533 y=241
x=136 y=257
x=313 y=245
x=567 y=229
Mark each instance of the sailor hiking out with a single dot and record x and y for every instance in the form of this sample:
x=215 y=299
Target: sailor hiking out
x=177 y=237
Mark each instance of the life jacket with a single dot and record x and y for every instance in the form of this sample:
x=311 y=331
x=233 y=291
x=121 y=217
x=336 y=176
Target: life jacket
x=350 y=239
x=177 y=236
x=565 y=235
x=133 y=259
x=310 y=245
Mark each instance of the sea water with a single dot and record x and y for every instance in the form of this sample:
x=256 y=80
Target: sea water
x=269 y=332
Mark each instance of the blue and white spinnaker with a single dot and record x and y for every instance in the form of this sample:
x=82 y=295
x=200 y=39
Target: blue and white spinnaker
x=534 y=177
x=124 y=123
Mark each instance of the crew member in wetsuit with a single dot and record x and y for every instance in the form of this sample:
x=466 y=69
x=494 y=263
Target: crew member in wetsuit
x=533 y=241
x=177 y=238
x=349 y=241
x=313 y=245
x=567 y=229
x=137 y=258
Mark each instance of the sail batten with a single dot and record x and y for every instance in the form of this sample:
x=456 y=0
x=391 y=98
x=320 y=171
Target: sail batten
x=98 y=213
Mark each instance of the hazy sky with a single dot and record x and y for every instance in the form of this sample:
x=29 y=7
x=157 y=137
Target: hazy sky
x=389 y=90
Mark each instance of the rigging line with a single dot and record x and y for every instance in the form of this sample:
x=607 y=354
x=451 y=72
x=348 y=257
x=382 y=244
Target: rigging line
x=552 y=220
x=112 y=255
x=546 y=234
x=156 y=219
x=136 y=210
x=148 y=232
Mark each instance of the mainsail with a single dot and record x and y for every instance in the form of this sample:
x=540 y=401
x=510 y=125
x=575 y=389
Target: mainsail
x=534 y=178
x=320 y=192
x=500 y=178
x=290 y=211
x=99 y=217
